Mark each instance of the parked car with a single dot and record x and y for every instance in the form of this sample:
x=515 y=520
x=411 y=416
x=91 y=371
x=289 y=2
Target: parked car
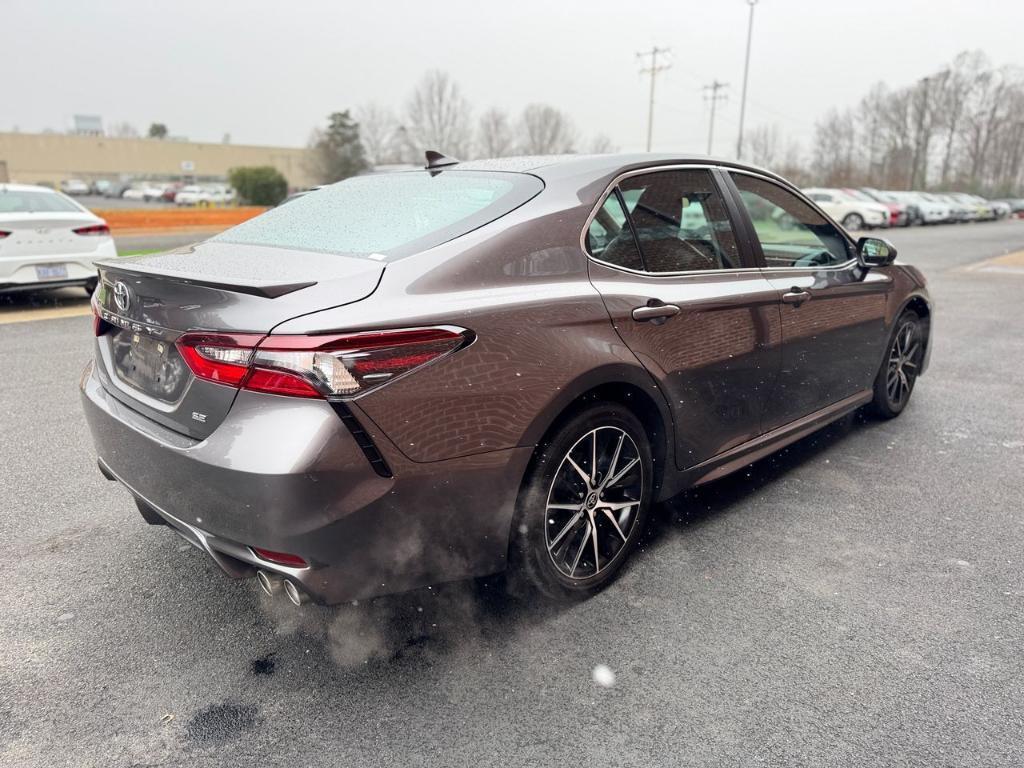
x=117 y=189
x=48 y=240
x=901 y=214
x=852 y=212
x=100 y=187
x=213 y=194
x=438 y=374
x=74 y=187
x=1000 y=208
x=983 y=210
x=171 y=191
x=932 y=211
x=146 y=191
x=1014 y=205
x=959 y=211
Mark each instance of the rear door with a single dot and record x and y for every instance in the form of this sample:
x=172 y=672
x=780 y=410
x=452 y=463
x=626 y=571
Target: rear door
x=688 y=302
x=833 y=313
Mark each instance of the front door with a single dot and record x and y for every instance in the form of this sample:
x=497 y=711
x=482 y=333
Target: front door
x=689 y=304
x=833 y=313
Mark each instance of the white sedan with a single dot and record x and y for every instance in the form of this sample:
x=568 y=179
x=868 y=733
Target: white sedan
x=195 y=194
x=47 y=240
x=849 y=211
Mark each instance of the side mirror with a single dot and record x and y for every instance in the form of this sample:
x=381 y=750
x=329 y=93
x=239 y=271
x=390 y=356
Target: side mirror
x=875 y=252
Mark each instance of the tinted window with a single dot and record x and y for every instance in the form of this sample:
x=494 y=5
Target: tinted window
x=34 y=201
x=680 y=221
x=792 y=233
x=392 y=214
x=609 y=237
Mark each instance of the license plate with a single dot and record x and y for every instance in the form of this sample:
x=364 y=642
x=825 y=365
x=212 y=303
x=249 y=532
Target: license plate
x=51 y=271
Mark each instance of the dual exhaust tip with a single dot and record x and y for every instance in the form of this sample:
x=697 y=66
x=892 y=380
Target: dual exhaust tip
x=272 y=583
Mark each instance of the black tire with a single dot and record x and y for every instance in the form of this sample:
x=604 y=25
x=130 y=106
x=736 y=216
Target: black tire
x=853 y=221
x=554 y=494
x=900 y=367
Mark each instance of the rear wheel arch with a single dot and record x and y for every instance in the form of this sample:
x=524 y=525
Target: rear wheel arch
x=633 y=389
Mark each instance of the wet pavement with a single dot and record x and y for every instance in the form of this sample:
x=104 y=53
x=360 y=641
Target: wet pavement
x=853 y=600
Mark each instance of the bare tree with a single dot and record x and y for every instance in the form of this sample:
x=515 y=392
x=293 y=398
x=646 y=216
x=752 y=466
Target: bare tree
x=494 y=134
x=378 y=131
x=835 y=143
x=763 y=143
x=600 y=144
x=546 y=130
x=952 y=101
x=438 y=117
x=792 y=164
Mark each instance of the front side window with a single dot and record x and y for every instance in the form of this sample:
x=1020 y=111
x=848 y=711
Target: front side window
x=680 y=221
x=791 y=233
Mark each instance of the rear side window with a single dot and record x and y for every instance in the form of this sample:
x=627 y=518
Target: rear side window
x=34 y=201
x=680 y=221
x=609 y=237
x=388 y=215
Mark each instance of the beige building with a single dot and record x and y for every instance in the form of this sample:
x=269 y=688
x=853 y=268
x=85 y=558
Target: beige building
x=30 y=158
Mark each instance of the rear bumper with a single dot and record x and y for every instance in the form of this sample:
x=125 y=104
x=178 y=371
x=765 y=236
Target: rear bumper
x=286 y=475
x=20 y=271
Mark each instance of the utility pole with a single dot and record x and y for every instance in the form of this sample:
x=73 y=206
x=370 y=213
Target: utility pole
x=653 y=70
x=746 y=74
x=713 y=89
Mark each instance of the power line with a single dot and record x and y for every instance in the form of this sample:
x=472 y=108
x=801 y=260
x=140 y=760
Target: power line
x=653 y=70
x=712 y=92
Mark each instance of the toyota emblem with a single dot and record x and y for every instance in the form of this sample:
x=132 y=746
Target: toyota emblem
x=122 y=298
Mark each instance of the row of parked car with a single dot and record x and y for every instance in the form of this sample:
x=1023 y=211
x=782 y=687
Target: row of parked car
x=869 y=208
x=177 y=192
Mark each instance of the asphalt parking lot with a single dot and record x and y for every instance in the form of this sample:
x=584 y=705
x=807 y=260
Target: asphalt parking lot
x=856 y=600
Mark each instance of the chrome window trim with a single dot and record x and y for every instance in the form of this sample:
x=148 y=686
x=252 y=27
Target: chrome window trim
x=657 y=275
x=851 y=262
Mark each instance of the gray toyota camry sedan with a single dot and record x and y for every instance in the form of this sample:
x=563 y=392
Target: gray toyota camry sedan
x=420 y=376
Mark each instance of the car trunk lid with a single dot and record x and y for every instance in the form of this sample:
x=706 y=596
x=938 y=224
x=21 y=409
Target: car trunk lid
x=147 y=303
x=45 y=234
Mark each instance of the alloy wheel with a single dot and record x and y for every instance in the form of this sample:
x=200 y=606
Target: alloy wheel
x=593 y=502
x=903 y=364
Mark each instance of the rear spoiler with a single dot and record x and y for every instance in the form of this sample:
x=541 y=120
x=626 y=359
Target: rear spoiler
x=268 y=289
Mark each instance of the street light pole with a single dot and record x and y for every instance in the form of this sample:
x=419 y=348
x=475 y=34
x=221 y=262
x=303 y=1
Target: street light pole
x=746 y=73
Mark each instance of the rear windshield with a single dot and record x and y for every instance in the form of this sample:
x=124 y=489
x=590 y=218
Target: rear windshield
x=33 y=201
x=389 y=214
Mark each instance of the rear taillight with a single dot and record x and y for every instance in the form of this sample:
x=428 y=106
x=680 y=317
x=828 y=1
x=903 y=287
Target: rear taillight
x=334 y=367
x=99 y=325
x=3 y=234
x=93 y=229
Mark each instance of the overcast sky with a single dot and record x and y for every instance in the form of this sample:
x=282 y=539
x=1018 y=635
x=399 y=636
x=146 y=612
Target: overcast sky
x=268 y=72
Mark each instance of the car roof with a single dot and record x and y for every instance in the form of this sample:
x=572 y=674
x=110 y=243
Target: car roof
x=565 y=166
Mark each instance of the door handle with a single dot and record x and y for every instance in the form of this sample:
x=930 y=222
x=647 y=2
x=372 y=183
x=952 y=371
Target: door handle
x=655 y=312
x=796 y=296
